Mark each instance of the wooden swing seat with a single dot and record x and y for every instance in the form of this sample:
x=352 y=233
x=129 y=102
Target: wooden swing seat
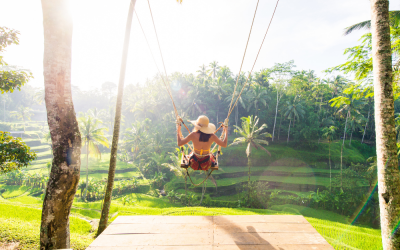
x=185 y=163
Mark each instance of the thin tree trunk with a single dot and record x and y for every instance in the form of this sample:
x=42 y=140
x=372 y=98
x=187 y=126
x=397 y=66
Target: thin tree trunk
x=64 y=130
x=186 y=188
x=386 y=149
x=276 y=113
x=114 y=148
x=345 y=126
x=249 y=173
x=330 y=169
x=280 y=124
x=23 y=119
x=351 y=136
x=237 y=115
x=87 y=169
x=288 y=134
x=341 y=166
x=366 y=124
x=203 y=191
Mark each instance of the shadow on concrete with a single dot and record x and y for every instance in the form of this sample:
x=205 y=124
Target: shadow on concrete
x=244 y=238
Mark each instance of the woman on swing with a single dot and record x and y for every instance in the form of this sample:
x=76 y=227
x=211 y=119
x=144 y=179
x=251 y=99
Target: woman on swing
x=202 y=137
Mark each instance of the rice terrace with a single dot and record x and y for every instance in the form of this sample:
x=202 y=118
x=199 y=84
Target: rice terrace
x=199 y=124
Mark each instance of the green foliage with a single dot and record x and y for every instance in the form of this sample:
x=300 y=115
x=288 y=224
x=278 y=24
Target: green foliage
x=13 y=191
x=10 y=77
x=22 y=224
x=14 y=154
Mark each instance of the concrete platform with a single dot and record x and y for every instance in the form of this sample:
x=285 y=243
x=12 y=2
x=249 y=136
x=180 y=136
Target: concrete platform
x=242 y=232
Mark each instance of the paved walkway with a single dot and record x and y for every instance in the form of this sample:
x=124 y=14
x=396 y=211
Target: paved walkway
x=244 y=232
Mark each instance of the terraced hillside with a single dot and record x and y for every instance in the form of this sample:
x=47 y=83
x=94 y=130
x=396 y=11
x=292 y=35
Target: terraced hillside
x=288 y=169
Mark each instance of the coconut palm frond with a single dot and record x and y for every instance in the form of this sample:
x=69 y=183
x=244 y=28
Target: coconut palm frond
x=366 y=25
x=261 y=141
x=264 y=149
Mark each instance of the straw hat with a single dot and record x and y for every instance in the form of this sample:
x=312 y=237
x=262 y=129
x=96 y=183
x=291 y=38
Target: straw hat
x=203 y=124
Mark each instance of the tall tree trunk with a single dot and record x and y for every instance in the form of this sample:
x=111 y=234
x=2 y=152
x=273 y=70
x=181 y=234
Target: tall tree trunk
x=386 y=150
x=114 y=148
x=237 y=115
x=276 y=113
x=345 y=126
x=330 y=169
x=203 y=191
x=87 y=169
x=351 y=136
x=288 y=134
x=23 y=120
x=249 y=173
x=280 y=124
x=366 y=124
x=341 y=166
x=64 y=130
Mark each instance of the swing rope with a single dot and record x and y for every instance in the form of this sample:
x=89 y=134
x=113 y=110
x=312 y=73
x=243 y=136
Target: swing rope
x=208 y=176
x=248 y=77
x=231 y=108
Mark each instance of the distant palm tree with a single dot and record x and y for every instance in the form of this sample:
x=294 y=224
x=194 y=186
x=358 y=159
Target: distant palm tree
x=293 y=110
x=329 y=133
x=258 y=95
x=251 y=134
x=355 y=123
x=219 y=88
x=394 y=20
x=158 y=159
x=202 y=72
x=225 y=73
x=213 y=69
x=92 y=136
x=97 y=114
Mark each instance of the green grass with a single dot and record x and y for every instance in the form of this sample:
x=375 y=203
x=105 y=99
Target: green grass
x=282 y=179
x=342 y=236
x=27 y=200
x=304 y=155
x=46 y=153
x=22 y=224
x=287 y=169
x=12 y=191
x=40 y=147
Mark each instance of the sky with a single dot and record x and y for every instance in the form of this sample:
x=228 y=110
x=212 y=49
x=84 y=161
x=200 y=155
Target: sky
x=193 y=33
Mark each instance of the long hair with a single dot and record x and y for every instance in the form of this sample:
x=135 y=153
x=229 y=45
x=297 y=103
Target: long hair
x=203 y=136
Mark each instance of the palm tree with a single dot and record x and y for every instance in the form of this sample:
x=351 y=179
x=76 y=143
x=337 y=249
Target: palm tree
x=228 y=99
x=92 y=136
x=23 y=113
x=348 y=105
x=257 y=95
x=251 y=134
x=213 y=69
x=219 y=89
x=158 y=159
x=202 y=72
x=329 y=134
x=293 y=110
x=394 y=20
x=386 y=149
x=114 y=148
x=225 y=73
x=97 y=114
x=355 y=123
